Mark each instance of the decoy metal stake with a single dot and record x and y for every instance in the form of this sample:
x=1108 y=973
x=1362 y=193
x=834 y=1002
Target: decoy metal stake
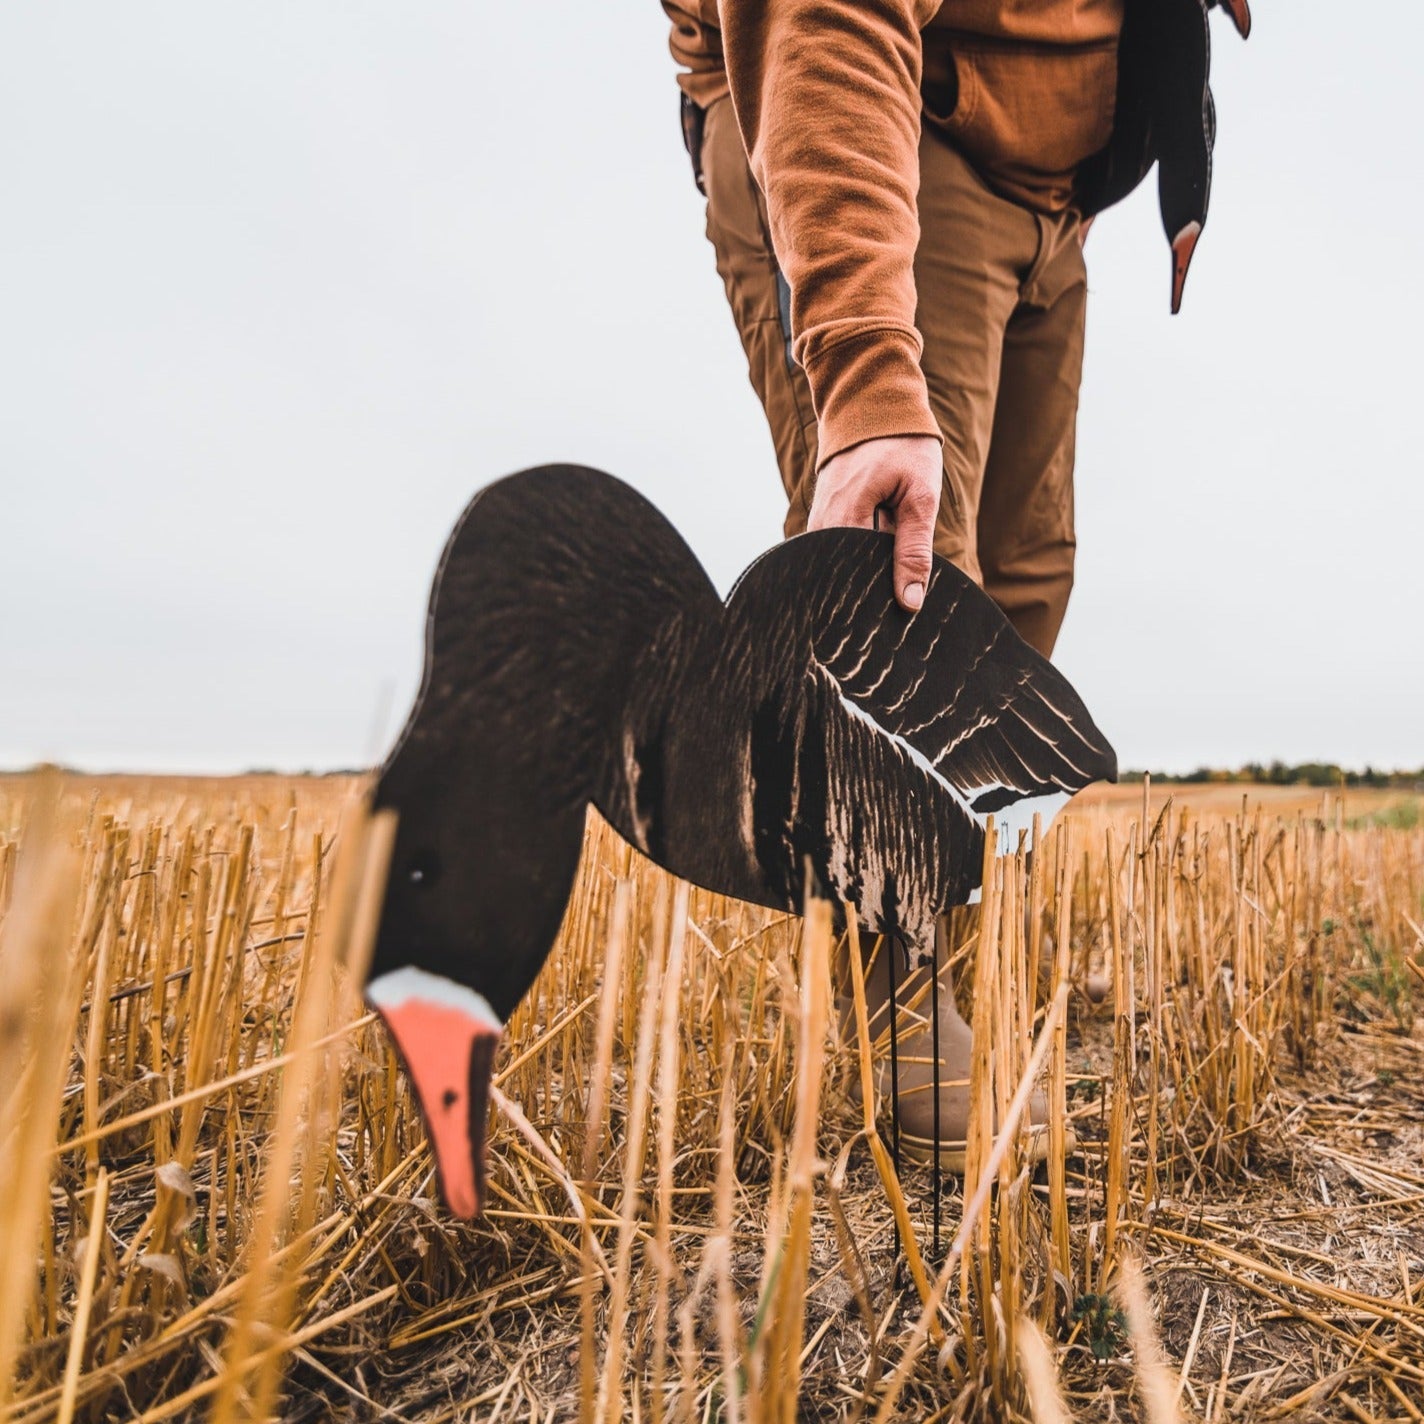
x=935 y=1169
x=891 y=945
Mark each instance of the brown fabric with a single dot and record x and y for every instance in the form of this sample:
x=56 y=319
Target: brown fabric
x=828 y=97
x=1025 y=93
x=1002 y=292
x=737 y=229
x=696 y=45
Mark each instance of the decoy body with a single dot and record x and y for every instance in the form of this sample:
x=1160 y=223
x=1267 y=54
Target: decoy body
x=576 y=652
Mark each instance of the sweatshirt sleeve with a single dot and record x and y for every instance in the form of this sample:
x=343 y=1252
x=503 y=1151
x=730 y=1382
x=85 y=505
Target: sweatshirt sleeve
x=827 y=97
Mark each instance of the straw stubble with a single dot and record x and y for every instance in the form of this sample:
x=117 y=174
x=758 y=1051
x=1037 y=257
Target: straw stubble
x=688 y=1218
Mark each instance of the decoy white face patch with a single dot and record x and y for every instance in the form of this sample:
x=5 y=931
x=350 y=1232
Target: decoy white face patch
x=400 y=986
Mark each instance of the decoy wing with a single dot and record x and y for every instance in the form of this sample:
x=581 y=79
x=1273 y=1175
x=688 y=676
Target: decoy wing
x=992 y=719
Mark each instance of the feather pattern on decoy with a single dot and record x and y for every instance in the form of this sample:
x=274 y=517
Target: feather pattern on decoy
x=806 y=731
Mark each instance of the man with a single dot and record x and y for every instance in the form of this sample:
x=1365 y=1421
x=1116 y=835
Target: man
x=897 y=193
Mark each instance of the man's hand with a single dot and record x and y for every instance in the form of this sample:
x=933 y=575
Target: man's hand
x=901 y=475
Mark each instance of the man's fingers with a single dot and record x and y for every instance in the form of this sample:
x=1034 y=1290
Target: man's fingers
x=914 y=544
x=852 y=507
x=903 y=474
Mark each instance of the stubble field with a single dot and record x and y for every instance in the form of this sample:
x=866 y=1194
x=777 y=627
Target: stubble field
x=216 y=1198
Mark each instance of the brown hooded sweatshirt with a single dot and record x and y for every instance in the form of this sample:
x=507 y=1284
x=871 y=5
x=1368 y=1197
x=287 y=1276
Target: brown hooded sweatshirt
x=829 y=96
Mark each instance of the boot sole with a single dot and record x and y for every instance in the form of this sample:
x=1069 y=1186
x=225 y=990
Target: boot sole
x=953 y=1155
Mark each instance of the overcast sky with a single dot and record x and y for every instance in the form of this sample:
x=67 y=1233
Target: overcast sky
x=282 y=284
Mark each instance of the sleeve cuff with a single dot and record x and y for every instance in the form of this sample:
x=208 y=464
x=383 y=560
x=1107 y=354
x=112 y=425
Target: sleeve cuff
x=868 y=386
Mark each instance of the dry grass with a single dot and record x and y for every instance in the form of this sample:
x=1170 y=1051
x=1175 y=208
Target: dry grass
x=216 y=1198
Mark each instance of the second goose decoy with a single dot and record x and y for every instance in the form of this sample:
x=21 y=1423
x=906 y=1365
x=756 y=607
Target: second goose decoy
x=576 y=653
x=1185 y=123
x=1164 y=114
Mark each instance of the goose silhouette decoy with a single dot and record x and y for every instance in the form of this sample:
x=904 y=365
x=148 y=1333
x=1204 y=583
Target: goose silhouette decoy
x=577 y=653
x=1185 y=123
x=1164 y=114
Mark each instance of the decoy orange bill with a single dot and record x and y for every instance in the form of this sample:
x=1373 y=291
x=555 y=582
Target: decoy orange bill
x=1240 y=13
x=447 y=1036
x=1183 y=245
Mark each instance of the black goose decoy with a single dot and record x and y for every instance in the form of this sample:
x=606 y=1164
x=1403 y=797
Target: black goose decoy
x=1185 y=124
x=576 y=652
x=1163 y=114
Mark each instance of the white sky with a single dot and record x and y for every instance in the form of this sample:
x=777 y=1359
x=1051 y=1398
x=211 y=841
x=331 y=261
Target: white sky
x=282 y=284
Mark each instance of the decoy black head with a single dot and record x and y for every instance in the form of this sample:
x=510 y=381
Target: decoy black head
x=431 y=931
x=542 y=601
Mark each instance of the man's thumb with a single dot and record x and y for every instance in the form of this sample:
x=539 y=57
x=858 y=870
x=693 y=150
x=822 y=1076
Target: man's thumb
x=914 y=541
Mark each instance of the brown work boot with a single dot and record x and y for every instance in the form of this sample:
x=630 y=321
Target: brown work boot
x=916 y=1055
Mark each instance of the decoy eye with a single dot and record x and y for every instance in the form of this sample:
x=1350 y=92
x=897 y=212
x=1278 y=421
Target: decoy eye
x=424 y=869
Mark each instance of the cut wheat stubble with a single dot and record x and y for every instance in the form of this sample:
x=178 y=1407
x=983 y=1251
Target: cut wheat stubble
x=1239 y=949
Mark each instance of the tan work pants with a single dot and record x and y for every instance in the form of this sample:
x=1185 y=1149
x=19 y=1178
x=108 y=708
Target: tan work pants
x=1002 y=292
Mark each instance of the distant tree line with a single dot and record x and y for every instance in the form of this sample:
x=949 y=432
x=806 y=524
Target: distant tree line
x=1279 y=773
